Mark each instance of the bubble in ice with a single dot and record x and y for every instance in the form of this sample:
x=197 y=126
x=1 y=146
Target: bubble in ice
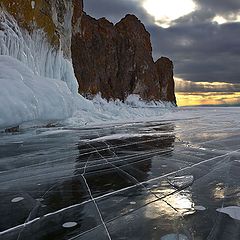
x=40 y=199
x=69 y=224
x=199 y=208
x=231 y=211
x=174 y=236
x=132 y=203
x=17 y=199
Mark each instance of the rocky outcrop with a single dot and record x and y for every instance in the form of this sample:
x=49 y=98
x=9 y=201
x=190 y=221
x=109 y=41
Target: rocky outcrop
x=136 y=70
x=164 y=68
x=116 y=60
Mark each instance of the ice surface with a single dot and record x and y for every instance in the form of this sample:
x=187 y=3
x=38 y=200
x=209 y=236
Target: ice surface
x=232 y=211
x=115 y=187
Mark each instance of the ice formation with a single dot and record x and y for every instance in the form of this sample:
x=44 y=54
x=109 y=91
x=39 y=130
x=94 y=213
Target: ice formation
x=37 y=82
x=25 y=96
x=100 y=111
x=35 y=51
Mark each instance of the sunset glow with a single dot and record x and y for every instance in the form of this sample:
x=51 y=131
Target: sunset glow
x=207 y=98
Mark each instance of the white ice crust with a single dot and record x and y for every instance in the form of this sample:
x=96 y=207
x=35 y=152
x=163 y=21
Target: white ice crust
x=25 y=96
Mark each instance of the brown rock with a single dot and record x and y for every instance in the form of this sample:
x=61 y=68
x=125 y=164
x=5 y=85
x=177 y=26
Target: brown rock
x=137 y=73
x=164 y=68
x=115 y=60
x=94 y=56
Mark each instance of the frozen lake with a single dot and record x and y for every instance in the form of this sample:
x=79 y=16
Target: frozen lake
x=174 y=178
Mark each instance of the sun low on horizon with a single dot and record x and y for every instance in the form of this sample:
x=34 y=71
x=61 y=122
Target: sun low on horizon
x=166 y=11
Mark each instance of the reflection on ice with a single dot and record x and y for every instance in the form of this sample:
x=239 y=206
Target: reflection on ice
x=173 y=206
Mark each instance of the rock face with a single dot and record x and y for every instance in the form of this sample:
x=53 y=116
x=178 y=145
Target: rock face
x=116 y=60
x=165 y=76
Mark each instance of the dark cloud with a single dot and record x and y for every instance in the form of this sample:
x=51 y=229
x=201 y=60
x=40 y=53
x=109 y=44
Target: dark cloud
x=202 y=50
x=189 y=86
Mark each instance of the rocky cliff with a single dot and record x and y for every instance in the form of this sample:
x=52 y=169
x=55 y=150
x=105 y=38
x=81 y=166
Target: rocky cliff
x=115 y=60
x=164 y=68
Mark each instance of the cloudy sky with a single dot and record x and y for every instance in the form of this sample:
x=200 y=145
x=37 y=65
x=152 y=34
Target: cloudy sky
x=202 y=37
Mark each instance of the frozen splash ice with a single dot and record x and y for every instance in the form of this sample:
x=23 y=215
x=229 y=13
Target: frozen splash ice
x=100 y=111
x=26 y=97
x=37 y=82
x=35 y=51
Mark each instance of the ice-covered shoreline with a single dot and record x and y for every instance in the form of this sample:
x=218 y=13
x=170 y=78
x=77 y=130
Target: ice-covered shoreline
x=38 y=85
